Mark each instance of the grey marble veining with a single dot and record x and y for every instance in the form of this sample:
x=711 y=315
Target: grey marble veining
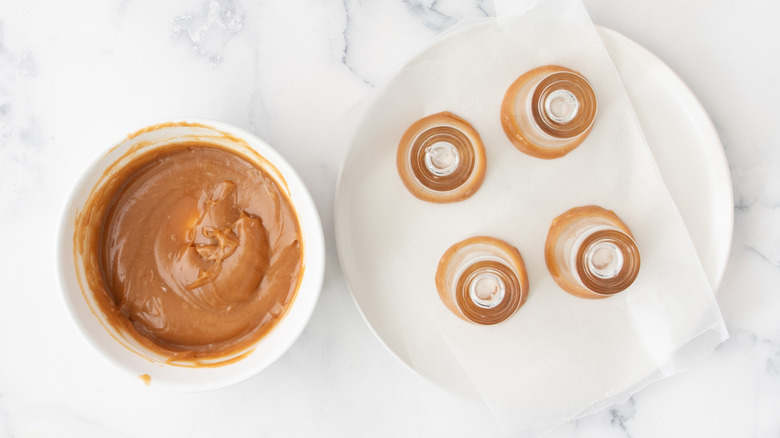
x=441 y=15
x=622 y=414
x=345 y=55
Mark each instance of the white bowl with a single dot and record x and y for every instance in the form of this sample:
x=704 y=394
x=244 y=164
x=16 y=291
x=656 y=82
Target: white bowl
x=129 y=355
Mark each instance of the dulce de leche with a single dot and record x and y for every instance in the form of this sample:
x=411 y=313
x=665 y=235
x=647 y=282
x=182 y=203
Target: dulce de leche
x=192 y=249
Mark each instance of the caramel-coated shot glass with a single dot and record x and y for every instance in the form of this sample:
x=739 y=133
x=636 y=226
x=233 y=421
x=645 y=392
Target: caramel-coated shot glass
x=482 y=280
x=591 y=253
x=548 y=111
x=441 y=159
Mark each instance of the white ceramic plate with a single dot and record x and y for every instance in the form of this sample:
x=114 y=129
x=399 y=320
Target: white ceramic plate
x=688 y=154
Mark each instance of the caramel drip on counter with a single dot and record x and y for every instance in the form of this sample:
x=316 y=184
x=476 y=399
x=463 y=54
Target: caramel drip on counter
x=441 y=159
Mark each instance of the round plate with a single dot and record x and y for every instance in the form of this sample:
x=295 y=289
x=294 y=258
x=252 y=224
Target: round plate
x=688 y=154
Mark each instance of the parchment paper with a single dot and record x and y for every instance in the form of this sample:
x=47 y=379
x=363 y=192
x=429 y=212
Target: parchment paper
x=559 y=356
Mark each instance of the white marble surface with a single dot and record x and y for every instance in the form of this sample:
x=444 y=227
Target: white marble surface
x=76 y=76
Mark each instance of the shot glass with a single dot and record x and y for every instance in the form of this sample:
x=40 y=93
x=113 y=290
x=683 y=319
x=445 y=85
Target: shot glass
x=548 y=111
x=482 y=280
x=441 y=159
x=591 y=253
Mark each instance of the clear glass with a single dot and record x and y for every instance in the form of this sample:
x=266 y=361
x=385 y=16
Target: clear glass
x=487 y=289
x=441 y=158
x=548 y=111
x=591 y=253
x=561 y=106
x=482 y=280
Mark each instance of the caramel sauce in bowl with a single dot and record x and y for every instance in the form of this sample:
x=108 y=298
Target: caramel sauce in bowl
x=191 y=254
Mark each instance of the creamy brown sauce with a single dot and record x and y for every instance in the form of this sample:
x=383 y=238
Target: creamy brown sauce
x=528 y=124
x=198 y=252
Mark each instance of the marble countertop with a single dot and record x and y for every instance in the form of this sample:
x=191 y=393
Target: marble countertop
x=75 y=77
